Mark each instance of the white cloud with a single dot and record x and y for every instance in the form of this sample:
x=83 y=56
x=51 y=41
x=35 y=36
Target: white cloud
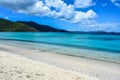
x=38 y=8
x=83 y=3
x=17 y=4
x=82 y=16
x=61 y=10
x=116 y=2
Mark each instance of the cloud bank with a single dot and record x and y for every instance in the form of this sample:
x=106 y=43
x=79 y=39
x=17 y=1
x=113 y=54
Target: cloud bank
x=52 y=8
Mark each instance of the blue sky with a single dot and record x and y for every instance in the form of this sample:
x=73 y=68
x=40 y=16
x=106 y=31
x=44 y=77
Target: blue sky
x=72 y=15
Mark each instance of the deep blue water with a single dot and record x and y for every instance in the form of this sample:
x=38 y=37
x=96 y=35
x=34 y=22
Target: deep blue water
x=97 y=42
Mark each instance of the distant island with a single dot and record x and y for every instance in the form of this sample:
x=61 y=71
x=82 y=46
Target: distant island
x=22 y=26
x=94 y=32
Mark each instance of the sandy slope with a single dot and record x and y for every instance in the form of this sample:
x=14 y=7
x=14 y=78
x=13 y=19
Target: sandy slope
x=14 y=67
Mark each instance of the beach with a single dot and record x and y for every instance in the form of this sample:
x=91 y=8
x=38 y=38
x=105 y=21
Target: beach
x=16 y=67
x=59 y=39
x=18 y=63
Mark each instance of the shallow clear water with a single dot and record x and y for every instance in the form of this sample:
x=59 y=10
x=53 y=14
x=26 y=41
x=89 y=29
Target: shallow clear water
x=95 y=46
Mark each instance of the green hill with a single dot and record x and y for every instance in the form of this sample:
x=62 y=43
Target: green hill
x=22 y=26
x=9 y=26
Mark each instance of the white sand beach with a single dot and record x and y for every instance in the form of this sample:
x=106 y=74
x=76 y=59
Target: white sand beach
x=24 y=64
x=14 y=67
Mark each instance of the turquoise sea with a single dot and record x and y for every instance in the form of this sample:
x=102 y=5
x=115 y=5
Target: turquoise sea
x=105 y=47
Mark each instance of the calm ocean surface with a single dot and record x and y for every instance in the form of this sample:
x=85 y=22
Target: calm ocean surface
x=95 y=46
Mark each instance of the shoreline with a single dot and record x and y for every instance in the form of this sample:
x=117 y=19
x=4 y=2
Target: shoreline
x=93 y=68
x=79 y=47
x=68 y=51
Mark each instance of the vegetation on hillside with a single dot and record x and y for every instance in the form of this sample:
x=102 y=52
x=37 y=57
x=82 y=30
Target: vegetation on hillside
x=9 y=26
